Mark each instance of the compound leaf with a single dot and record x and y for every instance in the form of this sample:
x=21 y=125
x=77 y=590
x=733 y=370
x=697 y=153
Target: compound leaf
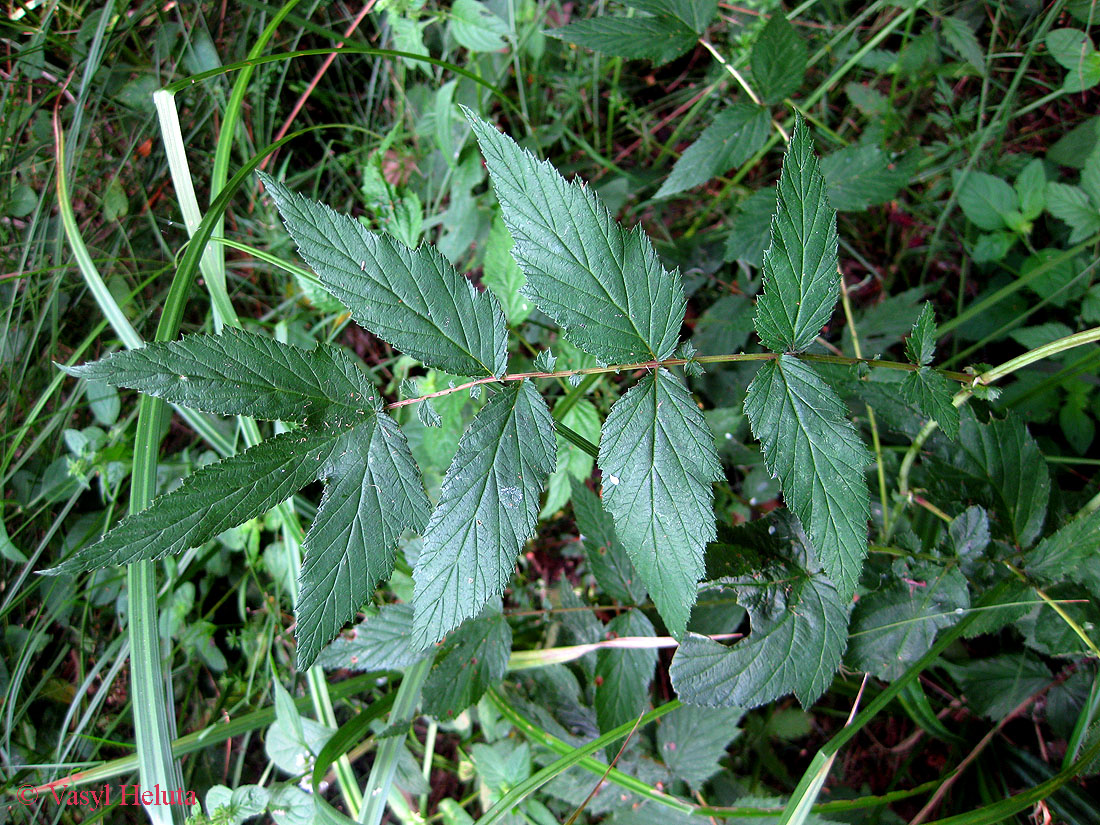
x=472 y=660
x=603 y=285
x=241 y=373
x=819 y=459
x=734 y=137
x=380 y=642
x=488 y=504
x=622 y=676
x=801 y=283
x=932 y=395
x=798 y=636
x=213 y=499
x=373 y=493
x=413 y=299
x=778 y=59
x=658 y=462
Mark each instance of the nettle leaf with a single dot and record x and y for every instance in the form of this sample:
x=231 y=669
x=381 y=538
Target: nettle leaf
x=799 y=632
x=779 y=59
x=477 y=28
x=1071 y=205
x=413 y=299
x=607 y=558
x=473 y=659
x=932 y=394
x=658 y=462
x=623 y=675
x=894 y=626
x=819 y=459
x=985 y=199
x=801 y=282
x=1072 y=553
x=373 y=493
x=380 y=642
x=213 y=499
x=735 y=136
x=242 y=373
x=488 y=504
x=603 y=285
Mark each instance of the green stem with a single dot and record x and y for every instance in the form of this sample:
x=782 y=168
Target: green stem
x=378 y=785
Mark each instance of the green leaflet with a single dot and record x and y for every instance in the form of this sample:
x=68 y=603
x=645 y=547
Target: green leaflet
x=241 y=373
x=920 y=346
x=373 y=493
x=696 y=14
x=603 y=285
x=691 y=740
x=413 y=299
x=861 y=176
x=213 y=499
x=932 y=394
x=658 y=462
x=798 y=636
x=659 y=39
x=488 y=504
x=674 y=27
x=985 y=199
x=994 y=687
x=801 y=282
x=502 y=275
x=778 y=59
x=607 y=559
x=380 y=642
x=819 y=459
x=1072 y=553
x=895 y=625
x=735 y=136
x=473 y=659
x=1003 y=454
x=623 y=676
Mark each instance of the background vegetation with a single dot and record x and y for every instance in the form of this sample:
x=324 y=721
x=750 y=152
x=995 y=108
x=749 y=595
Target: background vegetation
x=959 y=145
